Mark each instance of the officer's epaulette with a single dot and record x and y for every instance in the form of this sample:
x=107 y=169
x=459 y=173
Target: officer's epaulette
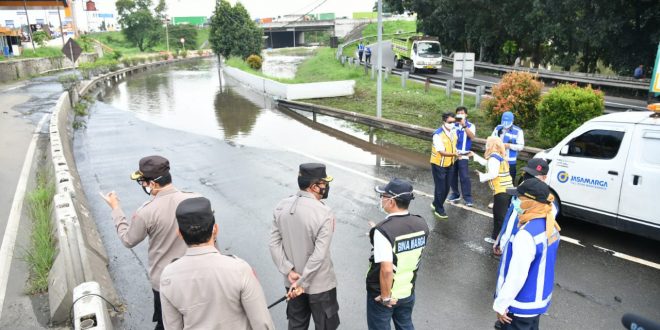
x=230 y=255
x=173 y=260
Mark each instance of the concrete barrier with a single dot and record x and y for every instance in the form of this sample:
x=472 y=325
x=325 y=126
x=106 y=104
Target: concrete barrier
x=81 y=256
x=292 y=91
x=24 y=68
x=88 y=302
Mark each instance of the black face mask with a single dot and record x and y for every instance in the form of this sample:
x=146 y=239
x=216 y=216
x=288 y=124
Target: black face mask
x=324 y=191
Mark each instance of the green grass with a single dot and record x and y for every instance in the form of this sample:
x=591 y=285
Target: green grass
x=39 y=52
x=390 y=27
x=117 y=41
x=41 y=253
x=202 y=36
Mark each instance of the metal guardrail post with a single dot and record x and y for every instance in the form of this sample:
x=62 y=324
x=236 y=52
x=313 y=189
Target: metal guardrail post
x=388 y=71
x=373 y=72
x=366 y=69
x=477 y=95
x=404 y=79
x=343 y=60
x=450 y=86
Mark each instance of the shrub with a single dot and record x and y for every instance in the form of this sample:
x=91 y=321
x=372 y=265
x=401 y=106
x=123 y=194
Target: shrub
x=115 y=55
x=165 y=56
x=254 y=61
x=518 y=92
x=200 y=52
x=40 y=38
x=565 y=108
x=184 y=53
x=126 y=62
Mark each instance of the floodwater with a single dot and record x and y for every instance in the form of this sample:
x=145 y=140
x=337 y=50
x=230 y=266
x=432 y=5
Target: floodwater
x=188 y=97
x=283 y=62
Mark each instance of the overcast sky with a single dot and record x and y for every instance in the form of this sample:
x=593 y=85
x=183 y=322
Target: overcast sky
x=271 y=8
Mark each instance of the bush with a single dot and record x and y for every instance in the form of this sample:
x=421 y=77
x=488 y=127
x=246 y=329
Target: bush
x=40 y=38
x=254 y=61
x=565 y=108
x=200 y=52
x=115 y=55
x=518 y=92
x=165 y=56
x=184 y=53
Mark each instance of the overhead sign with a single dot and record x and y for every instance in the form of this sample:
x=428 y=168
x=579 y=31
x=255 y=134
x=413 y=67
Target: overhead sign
x=72 y=50
x=463 y=65
x=655 y=79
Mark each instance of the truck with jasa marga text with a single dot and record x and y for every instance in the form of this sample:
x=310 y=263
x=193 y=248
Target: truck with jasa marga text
x=418 y=52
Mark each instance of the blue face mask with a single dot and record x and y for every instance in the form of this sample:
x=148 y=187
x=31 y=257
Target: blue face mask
x=516 y=205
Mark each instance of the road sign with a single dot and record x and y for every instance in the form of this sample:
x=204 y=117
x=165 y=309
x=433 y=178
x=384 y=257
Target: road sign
x=463 y=65
x=655 y=79
x=71 y=50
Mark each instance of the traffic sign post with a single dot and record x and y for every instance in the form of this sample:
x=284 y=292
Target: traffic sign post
x=72 y=51
x=463 y=68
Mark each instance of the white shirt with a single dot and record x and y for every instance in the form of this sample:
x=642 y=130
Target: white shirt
x=520 y=141
x=522 y=256
x=437 y=140
x=473 y=129
x=492 y=168
x=382 y=247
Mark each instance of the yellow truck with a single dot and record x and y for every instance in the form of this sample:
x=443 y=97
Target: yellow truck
x=419 y=52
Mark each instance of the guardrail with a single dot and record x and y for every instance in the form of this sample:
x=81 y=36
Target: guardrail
x=415 y=131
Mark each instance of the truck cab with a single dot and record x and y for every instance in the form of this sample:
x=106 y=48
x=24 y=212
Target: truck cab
x=420 y=53
x=607 y=172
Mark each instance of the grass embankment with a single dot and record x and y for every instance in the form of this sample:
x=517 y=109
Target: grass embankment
x=41 y=253
x=389 y=27
x=46 y=52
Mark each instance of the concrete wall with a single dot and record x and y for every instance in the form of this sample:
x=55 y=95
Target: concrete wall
x=24 y=68
x=292 y=91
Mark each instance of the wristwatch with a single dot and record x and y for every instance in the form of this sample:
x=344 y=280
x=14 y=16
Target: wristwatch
x=386 y=301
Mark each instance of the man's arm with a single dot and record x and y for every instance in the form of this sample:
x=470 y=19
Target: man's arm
x=254 y=301
x=520 y=142
x=471 y=131
x=130 y=234
x=321 y=249
x=522 y=256
x=384 y=256
x=277 y=250
x=172 y=319
x=493 y=168
x=440 y=147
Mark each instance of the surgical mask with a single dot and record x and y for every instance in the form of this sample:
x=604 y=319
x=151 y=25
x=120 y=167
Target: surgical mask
x=516 y=205
x=380 y=205
x=449 y=126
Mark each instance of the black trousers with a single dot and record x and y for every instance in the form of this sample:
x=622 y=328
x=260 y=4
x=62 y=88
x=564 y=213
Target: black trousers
x=500 y=206
x=323 y=307
x=522 y=323
x=158 y=313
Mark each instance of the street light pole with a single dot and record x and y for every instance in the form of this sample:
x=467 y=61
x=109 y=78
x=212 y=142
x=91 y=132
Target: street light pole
x=167 y=34
x=27 y=17
x=379 y=62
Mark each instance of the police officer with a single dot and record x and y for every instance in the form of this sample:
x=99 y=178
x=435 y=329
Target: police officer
x=300 y=247
x=360 y=50
x=205 y=289
x=397 y=245
x=367 y=55
x=155 y=219
x=527 y=267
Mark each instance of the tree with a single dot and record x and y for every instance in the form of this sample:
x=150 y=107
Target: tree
x=233 y=33
x=185 y=31
x=140 y=25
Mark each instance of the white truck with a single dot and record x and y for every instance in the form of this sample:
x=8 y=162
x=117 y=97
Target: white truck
x=607 y=172
x=419 y=52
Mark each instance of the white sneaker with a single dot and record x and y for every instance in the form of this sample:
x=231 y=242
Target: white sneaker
x=490 y=205
x=489 y=240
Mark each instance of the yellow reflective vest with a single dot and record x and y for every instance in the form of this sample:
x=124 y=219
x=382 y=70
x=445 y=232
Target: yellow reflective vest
x=503 y=179
x=449 y=141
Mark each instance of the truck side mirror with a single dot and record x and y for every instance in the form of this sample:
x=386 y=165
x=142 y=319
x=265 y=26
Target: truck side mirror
x=564 y=150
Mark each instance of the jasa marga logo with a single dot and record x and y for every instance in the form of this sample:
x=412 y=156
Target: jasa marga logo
x=564 y=177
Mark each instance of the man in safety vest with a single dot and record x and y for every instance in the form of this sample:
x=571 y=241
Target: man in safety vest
x=443 y=157
x=397 y=245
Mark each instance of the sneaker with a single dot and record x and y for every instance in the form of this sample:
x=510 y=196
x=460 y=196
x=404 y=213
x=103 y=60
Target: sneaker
x=469 y=204
x=454 y=199
x=498 y=325
x=490 y=205
x=489 y=240
x=432 y=207
x=440 y=215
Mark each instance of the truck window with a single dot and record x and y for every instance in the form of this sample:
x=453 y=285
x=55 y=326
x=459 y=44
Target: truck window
x=650 y=147
x=429 y=48
x=599 y=144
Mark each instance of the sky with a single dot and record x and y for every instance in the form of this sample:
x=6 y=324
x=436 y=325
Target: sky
x=271 y=8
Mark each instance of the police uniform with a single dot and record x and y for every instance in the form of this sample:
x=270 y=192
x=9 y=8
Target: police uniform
x=300 y=241
x=155 y=219
x=399 y=239
x=514 y=136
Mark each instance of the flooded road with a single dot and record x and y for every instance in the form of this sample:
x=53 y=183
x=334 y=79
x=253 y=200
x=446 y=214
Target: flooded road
x=232 y=146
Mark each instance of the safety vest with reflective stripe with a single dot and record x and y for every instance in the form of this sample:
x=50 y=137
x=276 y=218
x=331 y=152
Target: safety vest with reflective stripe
x=449 y=141
x=408 y=235
x=535 y=295
x=503 y=179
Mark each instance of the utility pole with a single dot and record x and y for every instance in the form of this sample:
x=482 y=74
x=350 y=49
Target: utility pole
x=167 y=34
x=379 y=62
x=27 y=17
x=74 y=18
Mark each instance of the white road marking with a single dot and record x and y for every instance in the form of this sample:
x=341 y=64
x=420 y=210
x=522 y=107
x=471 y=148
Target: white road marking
x=472 y=209
x=629 y=258
x=9 y=239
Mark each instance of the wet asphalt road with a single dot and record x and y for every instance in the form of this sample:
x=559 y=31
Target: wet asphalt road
x=233 y=148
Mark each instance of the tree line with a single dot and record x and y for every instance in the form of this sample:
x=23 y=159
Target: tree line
x=619 y=33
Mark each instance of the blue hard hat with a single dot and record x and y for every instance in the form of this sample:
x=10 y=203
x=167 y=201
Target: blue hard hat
x=507 y=119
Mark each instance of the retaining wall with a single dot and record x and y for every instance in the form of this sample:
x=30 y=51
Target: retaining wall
x=24 y=68
x=292 y=91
